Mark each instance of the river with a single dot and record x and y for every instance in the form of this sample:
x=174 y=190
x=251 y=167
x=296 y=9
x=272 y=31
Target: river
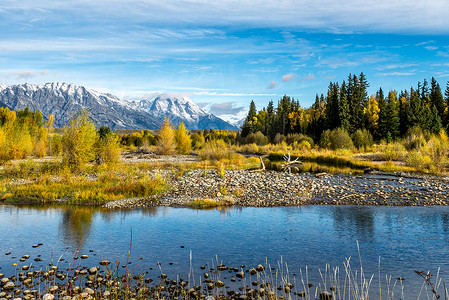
x=402 y=239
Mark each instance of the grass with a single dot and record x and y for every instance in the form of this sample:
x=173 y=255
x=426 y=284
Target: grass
x=43 y=184
x=211 y=203
x=337 y=161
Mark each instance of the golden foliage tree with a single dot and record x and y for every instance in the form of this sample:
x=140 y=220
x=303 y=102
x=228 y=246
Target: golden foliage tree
x=166 y=143
x=109 y=148
x=373 y=114
x=78 y=140
x=183 y=140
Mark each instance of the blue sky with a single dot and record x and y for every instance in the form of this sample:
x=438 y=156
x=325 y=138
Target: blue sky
x=227 y=53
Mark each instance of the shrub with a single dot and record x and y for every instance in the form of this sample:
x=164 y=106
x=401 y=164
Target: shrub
x=278 y=138
x=248 y=148
x=215 y=150
x=414 y=138
x=362 y=139
x=336 y=139
x=299 y=138
x=78 y=140
x=109 y=147
x=304 y=145
x=256 y=138
x=55 y=145
x=198 y=140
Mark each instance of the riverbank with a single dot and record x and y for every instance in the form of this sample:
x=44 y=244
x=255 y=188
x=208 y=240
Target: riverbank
x=145 y=180
x=270 y=188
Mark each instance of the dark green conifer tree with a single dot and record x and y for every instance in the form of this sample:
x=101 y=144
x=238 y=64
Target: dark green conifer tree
x=343 y=108
x=436 y=97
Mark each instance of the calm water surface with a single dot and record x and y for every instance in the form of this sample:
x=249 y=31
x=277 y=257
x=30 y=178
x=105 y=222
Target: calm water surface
x=405 y=238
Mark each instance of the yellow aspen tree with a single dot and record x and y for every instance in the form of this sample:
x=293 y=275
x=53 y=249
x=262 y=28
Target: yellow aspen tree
x=50 y=124
x=183 y=140
x=166 y=143
x=78 y=141
x=373 y=114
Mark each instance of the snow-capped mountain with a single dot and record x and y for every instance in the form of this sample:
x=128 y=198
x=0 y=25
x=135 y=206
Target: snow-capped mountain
x=63 y=100
x=183 y=109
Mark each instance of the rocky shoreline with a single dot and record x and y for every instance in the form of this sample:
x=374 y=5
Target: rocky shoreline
x=271 y=188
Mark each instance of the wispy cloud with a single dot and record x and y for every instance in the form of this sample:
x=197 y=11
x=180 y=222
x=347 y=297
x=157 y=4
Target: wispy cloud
x=27 y=75
x=225 y=108
x=326 y=15
x=431 y=48
x=288 y=77
x=272 y=85
x=396 y=74
x=310 y=77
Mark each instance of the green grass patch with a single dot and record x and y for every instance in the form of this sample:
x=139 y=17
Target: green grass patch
x=82 y=188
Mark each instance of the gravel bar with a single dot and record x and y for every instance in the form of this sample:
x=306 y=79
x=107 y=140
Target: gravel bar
x=271 y=188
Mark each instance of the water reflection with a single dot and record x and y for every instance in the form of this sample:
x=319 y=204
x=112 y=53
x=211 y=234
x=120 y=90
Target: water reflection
x=76 y=223
x=356 y=221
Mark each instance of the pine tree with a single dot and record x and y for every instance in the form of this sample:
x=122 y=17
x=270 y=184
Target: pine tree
x=382 y=115
x=391 y=123
x=343 y=108
x=420 y=114
x=247 y=128
x=332 y=105
x=436 y=97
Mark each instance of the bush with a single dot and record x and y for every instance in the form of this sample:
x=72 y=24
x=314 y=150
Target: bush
x=278 y=138
x=248 y=148
x=109 y=147
x=256 y=138
x=336 y=139
x=78 y=140
x=299 y=138
x=414 y=138
x=304 y=145
x=198 y=140
x=55 y=145
x=215 y=150
x=362 y=139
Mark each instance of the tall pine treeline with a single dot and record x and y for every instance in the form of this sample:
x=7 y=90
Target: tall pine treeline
x=348 y=106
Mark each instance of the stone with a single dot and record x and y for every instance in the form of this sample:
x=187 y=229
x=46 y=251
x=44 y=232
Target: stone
x=8 y=286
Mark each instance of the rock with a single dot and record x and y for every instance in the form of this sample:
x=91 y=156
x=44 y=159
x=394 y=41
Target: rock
x=8 y=286
x=325 y=296
x=240 y=274
x=104 y=262
x=93 y=270
x=260 y=268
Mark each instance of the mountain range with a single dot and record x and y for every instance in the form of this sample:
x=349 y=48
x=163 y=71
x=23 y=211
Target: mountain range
x=64 y=100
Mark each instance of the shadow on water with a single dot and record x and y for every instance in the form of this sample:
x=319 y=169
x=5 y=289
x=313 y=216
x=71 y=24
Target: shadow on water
x=355 y=221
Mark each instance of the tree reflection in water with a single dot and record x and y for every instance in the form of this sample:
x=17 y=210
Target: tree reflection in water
x=76 y=223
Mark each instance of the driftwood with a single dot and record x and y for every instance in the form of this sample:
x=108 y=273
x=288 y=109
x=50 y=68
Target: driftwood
x=289 y=164
x=262 y=165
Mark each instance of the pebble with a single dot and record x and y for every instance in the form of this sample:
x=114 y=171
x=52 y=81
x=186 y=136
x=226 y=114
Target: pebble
x=272 y=188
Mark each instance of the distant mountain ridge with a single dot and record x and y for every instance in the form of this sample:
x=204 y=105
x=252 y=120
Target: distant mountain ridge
x=63 y=100
x=183 y=109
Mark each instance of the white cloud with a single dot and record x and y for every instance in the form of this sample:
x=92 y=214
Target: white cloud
x=288 y=77
x=328 y=15
x=431 y=48
x=396 y=74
